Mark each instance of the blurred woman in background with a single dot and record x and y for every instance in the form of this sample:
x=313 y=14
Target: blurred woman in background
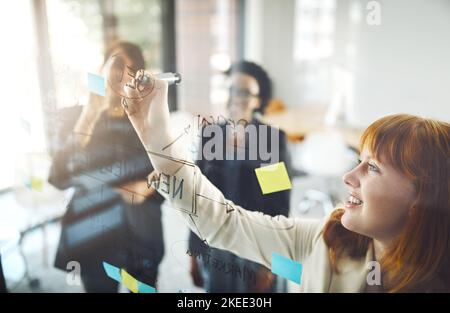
x=112 y=216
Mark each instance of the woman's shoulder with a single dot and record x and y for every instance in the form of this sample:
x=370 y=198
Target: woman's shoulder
x=309 y=233
x=313 y=227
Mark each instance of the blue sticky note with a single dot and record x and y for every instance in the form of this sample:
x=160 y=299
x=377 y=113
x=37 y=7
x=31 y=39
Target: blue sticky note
x=96 y=84
x=112 y=272
x=144 y=288
x=287 y=268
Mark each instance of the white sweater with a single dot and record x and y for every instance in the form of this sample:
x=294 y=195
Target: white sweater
x=254 y=236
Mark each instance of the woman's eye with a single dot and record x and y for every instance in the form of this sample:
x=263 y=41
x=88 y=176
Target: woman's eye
x=372 y=167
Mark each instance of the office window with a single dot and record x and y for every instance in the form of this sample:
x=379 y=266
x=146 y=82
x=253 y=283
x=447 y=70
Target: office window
x=314 y=29
x=141 y=22
x=314 y=35
x=78 y=32
x=89 y=26
x=75 y=49
x=21 y=129
x=207 y=42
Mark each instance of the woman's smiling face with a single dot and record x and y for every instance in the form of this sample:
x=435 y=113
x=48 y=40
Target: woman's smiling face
x=379 y=199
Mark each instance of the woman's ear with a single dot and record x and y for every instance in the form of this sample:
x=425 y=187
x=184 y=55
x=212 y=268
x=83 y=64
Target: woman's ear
x=255 y=104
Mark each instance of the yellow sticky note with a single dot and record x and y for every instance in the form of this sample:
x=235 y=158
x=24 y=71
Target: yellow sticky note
x=273 y=178
x=129 y=281
x=36 y=183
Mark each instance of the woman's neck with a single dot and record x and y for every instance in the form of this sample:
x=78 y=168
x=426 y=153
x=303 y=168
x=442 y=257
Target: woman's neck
x=380 y=247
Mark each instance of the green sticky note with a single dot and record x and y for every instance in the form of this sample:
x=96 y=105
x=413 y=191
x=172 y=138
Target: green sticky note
x=129 y=281
x=273 y=178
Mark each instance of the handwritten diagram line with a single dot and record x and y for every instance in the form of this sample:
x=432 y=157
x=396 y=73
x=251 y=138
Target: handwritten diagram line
x=186 y=130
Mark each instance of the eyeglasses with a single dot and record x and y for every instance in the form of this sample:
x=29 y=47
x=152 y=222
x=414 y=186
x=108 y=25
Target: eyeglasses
x=241 y=93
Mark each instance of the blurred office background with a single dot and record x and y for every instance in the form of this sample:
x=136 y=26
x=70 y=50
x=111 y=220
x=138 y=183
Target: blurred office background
x=335 y=68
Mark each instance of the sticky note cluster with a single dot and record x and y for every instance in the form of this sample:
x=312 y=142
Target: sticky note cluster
x=273 y=178
x=286 y=268
x=122 y=276
x=96 y=84
x=35 y=183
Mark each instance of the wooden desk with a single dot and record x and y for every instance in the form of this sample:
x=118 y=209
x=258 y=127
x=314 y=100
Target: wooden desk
x=298 y=122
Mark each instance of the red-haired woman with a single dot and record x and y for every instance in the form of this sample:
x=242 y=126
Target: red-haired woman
x=397 y=211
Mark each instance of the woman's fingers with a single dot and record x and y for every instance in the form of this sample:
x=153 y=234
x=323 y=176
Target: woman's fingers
x=141 y=91
x=134 y=100
x=148 y=112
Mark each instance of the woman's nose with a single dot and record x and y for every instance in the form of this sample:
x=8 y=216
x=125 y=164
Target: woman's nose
x=350 y=179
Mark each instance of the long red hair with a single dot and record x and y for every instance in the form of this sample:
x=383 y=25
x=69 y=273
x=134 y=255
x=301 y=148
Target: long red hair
x=420 y=258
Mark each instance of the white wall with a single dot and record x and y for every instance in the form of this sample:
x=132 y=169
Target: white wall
x=403 y=65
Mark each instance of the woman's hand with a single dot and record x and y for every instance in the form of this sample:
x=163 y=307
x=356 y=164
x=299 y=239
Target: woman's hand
x=148 y=111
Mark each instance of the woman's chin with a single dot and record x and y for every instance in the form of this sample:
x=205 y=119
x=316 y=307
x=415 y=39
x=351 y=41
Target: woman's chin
x=348 y=220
